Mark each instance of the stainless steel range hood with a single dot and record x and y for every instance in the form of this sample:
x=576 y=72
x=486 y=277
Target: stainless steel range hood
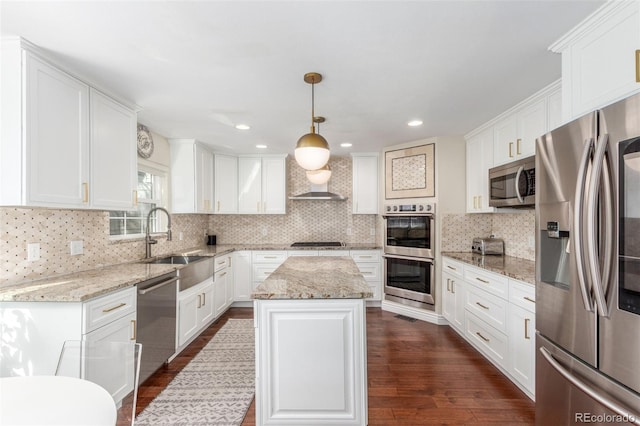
x=318 y=192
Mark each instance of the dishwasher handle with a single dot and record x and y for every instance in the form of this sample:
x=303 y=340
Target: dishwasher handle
x=157 y=286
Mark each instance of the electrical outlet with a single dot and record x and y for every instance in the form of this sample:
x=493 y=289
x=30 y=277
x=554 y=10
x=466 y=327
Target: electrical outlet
x=349 y=231
x=372 y=231
x=76 y=247
x=180 y=236
x=265 y=232
x=532 y=242
x=33 y=252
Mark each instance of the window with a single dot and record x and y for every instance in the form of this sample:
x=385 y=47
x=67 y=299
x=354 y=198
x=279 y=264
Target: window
x=151 y=193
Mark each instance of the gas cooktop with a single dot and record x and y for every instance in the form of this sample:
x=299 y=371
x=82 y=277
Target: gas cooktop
x=318 y=244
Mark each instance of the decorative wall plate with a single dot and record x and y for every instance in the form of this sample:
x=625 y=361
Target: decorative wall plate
x=145 y=142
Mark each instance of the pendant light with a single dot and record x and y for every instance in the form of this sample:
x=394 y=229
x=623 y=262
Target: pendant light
x=312 y=150
x=323 y=174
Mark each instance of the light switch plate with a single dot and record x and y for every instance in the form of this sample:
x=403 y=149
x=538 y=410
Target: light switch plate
x=33 y=252
x=76 y=247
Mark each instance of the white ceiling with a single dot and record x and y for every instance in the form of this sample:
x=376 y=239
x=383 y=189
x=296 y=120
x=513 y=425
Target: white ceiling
x=197 y=68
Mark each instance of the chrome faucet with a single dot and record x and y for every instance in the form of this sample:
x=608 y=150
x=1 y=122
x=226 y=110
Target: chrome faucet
x=148 y=238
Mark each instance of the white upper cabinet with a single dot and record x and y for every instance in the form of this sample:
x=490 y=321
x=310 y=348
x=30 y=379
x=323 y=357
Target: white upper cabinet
x=226 y=184
x=63 y=144
x=365 y=183
x=479 y=161
x=262 y=184
x=599 y=63
x=113 y=153
x=515 y=135
x=191 y=177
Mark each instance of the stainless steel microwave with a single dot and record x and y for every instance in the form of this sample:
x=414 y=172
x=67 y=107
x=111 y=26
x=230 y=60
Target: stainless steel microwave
x=513 y=184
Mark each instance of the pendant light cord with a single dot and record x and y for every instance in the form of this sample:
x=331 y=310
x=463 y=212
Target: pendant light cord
x=313 y=127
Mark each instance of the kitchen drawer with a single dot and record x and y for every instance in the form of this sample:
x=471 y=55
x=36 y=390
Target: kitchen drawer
x=103 y=310
x=453 y=267
x=269 y=256
x=261 y=272
x=333 y=252
x=490 y=308
x=490 y=341
x=365 y=256
x=302 y=253
x=221 y=262
x=523 y=295
x=493 y=283
x=370 y=271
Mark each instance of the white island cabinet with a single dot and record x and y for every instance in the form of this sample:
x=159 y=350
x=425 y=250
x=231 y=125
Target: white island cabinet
x=311 y=357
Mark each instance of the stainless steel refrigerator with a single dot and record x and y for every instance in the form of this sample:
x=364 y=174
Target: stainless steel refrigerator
x=588 y=269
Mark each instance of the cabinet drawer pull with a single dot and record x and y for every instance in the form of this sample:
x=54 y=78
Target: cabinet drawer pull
x=518 y=146
x=529 y=299
x=199 y=301
x=270 y=257
x=366 y=256
x=526 y=329
x=452 y=268
x=204 y=299
x=638 y=66
x=482 y=306
x=448 y=284
x=134 y=327
x=135 y=198
x=223 y=274
x=453 y=286
x=482 y=337
x=479 y=201
x=510 y=151
x=104 y=311
x=483 y=281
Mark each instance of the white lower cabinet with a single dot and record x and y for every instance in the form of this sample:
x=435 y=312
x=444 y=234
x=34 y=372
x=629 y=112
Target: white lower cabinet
x=369 y=263
x=242 y=276
x=36 y=331
x=311 y=362
x=494 y=313
x=522 y=334
x=195 y=310
x=453 y=294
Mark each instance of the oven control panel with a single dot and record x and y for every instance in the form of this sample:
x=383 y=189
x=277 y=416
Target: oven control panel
x=424 y=208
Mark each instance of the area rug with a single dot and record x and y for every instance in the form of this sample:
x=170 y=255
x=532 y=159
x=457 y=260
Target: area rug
x=215 y=388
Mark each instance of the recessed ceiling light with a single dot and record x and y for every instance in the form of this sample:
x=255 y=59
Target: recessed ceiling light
x=414 y=123
x=260 y=146
x=346 y=145
x=243 y=126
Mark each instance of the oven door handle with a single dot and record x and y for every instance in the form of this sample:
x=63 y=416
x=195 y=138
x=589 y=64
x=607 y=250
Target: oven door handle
x=418 y=259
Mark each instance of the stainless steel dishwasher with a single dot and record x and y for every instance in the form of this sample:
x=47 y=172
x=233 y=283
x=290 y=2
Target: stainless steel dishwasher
x=156 y=329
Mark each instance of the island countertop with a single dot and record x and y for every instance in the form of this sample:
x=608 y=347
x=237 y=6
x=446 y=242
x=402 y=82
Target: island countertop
x=306 y=277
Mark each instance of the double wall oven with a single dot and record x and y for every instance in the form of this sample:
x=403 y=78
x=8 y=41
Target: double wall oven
x=409 y=238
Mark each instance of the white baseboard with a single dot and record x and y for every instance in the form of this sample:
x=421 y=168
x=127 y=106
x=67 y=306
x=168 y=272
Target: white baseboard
x=421 y=314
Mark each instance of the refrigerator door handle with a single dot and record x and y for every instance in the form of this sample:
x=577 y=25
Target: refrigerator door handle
x=578 y=224
x=611 y=405
x=608 y=209
x=518 y=184
x=592 y=217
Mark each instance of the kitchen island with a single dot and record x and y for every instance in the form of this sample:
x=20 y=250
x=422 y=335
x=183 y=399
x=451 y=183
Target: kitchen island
x=311 y=357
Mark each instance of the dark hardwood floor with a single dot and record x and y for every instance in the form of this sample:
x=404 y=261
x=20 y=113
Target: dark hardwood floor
x=418 y=374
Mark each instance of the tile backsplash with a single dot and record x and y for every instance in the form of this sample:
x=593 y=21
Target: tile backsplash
x=516 y=229
x=55 y=229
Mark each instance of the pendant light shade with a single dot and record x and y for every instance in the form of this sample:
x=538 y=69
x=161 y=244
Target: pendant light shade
x=320 y=176
x=312 y=150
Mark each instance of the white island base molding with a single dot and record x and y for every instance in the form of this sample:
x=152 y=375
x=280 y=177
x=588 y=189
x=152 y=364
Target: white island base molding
x=311 y=362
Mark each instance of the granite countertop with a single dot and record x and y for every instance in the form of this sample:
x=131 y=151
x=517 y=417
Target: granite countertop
x=326 y=277
x=512 y=267
x=85 y=285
